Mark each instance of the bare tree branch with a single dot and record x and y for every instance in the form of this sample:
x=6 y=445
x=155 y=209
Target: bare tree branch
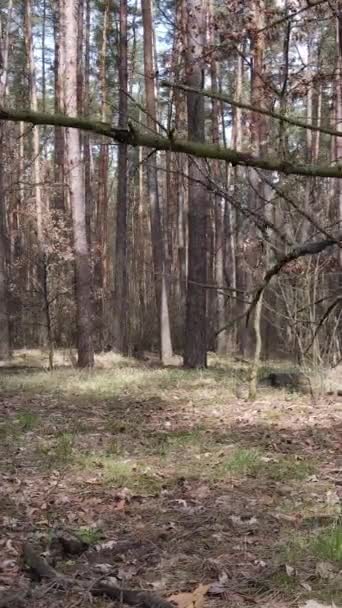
x=133 y=137
x=251 y=108
x=298 y=252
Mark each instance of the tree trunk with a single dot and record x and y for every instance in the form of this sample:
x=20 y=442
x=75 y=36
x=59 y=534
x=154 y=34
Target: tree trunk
x=4 y=318
x=83 y=282
x=120 y=328
x=86 y=141
x=153 y=191
x=4 y=309
x=219 y=202
x=35 y=130
x=42 y=266
x=339 y=113
x=102 y=197
x=59 y=68
x=195 y=351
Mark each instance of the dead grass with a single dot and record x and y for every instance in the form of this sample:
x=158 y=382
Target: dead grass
x=212 y=487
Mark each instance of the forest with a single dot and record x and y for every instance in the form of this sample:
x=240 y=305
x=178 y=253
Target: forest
x=170 y=303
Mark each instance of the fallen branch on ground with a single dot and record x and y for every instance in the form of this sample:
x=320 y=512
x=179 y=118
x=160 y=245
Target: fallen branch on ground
x=40 y=569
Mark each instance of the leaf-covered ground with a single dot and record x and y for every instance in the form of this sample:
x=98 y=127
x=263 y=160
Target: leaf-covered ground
x=173 y=481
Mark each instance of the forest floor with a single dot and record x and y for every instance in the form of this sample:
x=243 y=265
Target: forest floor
x=173 y=481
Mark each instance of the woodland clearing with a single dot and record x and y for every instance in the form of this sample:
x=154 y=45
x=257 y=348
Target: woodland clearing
x=172 y=481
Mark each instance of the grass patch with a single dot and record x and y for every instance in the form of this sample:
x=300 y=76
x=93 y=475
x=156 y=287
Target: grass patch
x=12 y=429
x=327 y=545
x=27 y=421
x=324 y=545
x=288 y=584
x=243 y=462
x=59 y=453
x=164 y=444
x=252 y=462
x=134 y=379
x=9 y=431
x=289 y=468
x=124 y=473
x=89 y=535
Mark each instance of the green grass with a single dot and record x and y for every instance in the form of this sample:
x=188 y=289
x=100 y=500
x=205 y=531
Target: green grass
x=252 y=462
x=123 y=473
x=57 y=454
x=327 y=545
x=27 y=420
x=89 y=535
x=12 y=429
x=288 y=584
x=9 y=431
x=289 y=468
x=243 y=462
x=167 y=443
x=324 y=545
x=105 y=382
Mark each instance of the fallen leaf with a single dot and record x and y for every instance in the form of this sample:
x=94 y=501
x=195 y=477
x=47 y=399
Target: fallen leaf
x=110 y=544
x=120 y=505
x=127 y=573
x=306 y=586
x=314 y=604
x=217 y=589
x=290 y=571
x=103 y=568
x=190 y=600
x=324 y=570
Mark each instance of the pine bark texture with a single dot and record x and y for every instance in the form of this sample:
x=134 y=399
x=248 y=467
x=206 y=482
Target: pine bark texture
x=195 y=349
x=83 y=283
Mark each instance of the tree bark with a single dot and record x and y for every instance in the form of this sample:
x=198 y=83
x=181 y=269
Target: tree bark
x=86 y=141
x=166 y=351
x=5 y=350
x=59 y=68
x=120 y=319
x=219 y=201
x=35 y=130
x=101 y=257
x=195 y=351
x=83 y=283
x=339 y=112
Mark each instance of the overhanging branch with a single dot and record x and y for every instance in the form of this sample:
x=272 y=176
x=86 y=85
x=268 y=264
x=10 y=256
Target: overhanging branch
x=247 y=106
x=134 y=137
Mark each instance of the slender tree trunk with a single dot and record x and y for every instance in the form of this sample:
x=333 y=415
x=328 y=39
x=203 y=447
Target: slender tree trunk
x=101 y=270
x=59 y=68
x=195 y=352
x=35 y=130
x=43 y=57
x=4 y=311
x=309 y=185
x=153 y=191
x=339 y=111
x=38 y=194
x=120 y=321
x=4 y=317
x=83 y=283
x=80 y=60
x=219 y=201
x=86 y=140
x=258 y=136
x=233 y=219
